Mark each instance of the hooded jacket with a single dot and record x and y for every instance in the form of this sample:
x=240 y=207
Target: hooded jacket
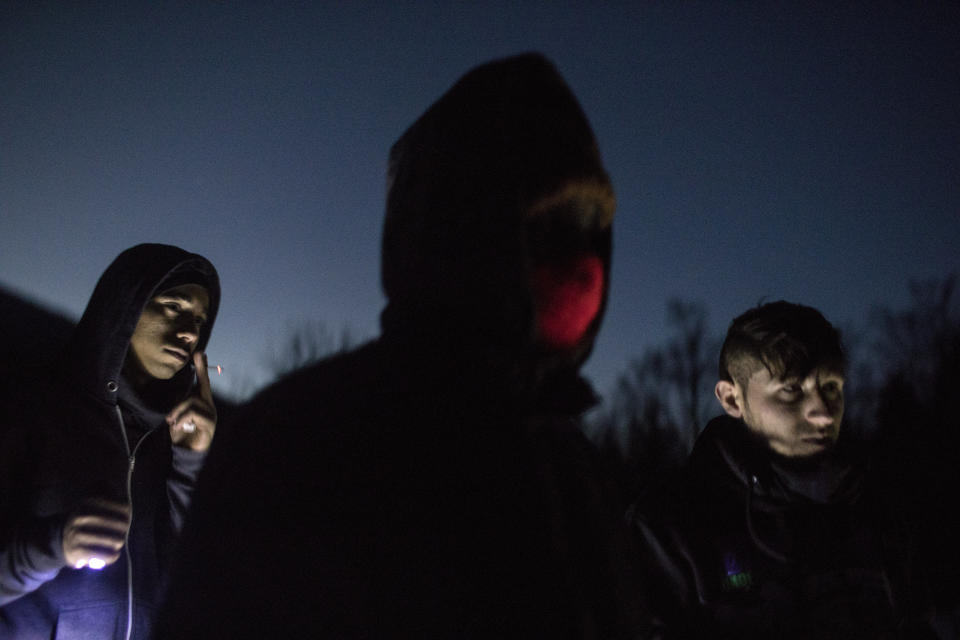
x=85 y=433
x=754 y=546
x=434 y=482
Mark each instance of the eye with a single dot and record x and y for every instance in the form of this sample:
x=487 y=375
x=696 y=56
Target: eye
x=790 y=391
x=173 y=307
x=831 y=388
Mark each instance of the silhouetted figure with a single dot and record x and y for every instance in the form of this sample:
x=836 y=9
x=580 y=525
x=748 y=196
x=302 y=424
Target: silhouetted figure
x=779 y=529
x=99 y=460
x=434 y=482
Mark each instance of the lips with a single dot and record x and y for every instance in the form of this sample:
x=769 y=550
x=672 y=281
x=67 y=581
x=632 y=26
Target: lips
x=179 y=354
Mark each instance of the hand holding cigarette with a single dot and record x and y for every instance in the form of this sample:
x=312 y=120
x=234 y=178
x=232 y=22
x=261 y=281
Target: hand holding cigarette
x=193 y=422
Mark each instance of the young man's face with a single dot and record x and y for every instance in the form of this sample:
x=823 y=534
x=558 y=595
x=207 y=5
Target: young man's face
x=796 y=417
x=167 y=332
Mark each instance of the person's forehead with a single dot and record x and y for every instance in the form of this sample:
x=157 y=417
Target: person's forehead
x=763 y=375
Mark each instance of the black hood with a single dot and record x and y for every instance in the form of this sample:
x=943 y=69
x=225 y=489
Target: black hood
x=508 y=144
x=96 y=353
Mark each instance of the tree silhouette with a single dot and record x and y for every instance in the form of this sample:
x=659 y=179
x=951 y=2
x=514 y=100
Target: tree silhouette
x=661 y=402
x=690 y=364
x=919 y=344
x=307 y=342
x=918 y=351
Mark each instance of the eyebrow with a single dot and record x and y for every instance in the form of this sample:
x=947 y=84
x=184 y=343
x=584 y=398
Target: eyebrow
x=832 y=375
x=181 y=297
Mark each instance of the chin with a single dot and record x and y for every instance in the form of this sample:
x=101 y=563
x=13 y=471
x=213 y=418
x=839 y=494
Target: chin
x=811 y=453
x=165 y=373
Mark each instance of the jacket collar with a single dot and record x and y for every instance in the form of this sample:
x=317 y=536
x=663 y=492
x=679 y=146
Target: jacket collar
x=727 y=452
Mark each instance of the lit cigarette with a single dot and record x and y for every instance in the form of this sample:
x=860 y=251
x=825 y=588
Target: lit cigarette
x=219 y=370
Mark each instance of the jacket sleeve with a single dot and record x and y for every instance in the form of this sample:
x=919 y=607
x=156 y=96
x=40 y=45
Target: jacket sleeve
x=185 y=469
x=31 y=550
x=31 y=555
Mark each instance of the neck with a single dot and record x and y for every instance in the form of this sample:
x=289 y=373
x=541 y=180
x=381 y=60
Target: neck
x=135 y=374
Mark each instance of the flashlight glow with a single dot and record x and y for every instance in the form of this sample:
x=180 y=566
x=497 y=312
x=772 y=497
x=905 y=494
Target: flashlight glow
x=93 y=563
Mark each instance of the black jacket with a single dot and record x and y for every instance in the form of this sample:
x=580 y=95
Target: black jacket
x=434 y=482
x=82 y=432
x=753 y=546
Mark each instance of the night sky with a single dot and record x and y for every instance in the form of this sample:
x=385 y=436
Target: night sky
x=758 y=150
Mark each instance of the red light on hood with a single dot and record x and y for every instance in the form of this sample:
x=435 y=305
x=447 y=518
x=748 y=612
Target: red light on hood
x=567 y=298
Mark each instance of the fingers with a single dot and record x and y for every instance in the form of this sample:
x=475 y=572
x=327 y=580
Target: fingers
x=192 y=423
x=105 y=508
x=193 y=431
x=194 y=409
x=94 y=534
x=203 y=376
x=89 y=546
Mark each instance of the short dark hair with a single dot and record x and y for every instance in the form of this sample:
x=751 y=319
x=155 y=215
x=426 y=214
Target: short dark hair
x=790 y=340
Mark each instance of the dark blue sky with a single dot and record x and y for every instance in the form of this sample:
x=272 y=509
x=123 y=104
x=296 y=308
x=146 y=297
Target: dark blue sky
x=758 y=150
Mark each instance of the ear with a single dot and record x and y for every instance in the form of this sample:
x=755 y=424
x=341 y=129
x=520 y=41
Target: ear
x=729 y=396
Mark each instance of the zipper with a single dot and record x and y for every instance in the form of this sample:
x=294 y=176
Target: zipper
x=131 y=462
x=752 y=484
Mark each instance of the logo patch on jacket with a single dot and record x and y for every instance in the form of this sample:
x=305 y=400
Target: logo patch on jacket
x=735 y=577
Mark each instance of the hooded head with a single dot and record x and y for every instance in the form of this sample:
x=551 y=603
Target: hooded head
x=99 y=347
x=499 y=213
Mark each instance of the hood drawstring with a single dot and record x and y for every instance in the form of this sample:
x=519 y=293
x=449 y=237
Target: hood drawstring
x=770 y=551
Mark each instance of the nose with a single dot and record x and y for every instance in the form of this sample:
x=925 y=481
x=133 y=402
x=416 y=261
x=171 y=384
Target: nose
x=188 y=331
x=817 y=410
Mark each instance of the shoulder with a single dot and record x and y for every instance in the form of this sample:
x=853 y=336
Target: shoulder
x=322 y=387
x=702 y=498
x=305 y=413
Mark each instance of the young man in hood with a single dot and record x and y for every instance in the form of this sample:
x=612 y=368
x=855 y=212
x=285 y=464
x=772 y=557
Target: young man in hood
x=434 y=482
x=778 y=530
x=99 y=466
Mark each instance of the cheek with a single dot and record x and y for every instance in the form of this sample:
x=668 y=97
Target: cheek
x=149 y=331
x=837 y=410
x=566 y=299
x=775 y=418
